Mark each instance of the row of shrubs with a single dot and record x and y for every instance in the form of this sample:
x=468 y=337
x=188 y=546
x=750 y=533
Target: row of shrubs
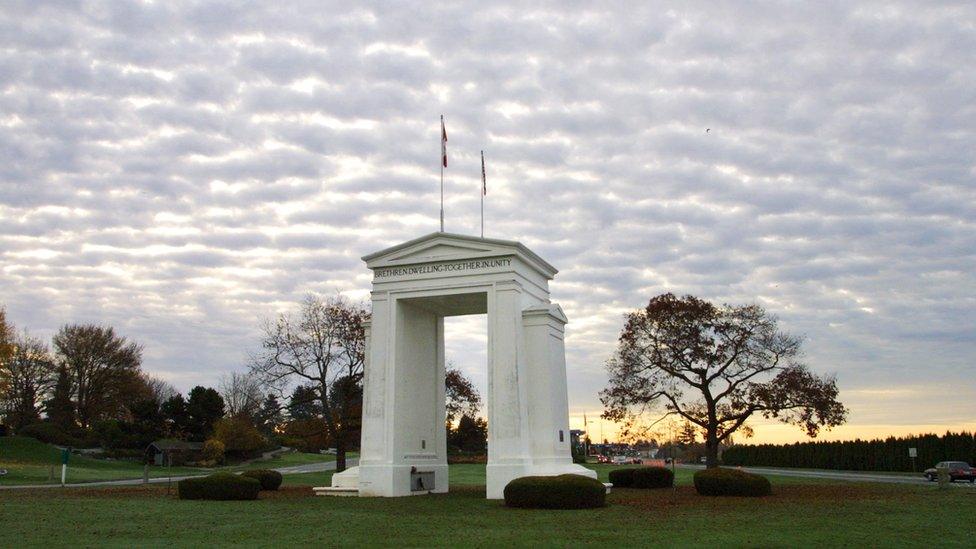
x=228 y=486
x=536 y=492
x=579 y=492
x=709 y=482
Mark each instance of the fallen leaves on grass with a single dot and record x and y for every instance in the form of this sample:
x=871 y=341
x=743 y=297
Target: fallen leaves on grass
x=783 y=495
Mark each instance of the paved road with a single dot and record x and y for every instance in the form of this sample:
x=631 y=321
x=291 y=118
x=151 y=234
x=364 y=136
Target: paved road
x=840 y=475
x=291 y=470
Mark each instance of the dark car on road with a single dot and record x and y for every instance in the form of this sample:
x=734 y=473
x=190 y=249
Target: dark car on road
x=958 y=470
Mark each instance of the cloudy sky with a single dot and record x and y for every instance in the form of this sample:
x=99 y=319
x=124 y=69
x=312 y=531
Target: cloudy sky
x=183 y=170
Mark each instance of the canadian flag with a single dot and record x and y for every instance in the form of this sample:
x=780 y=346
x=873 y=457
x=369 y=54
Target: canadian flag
x=443 y=143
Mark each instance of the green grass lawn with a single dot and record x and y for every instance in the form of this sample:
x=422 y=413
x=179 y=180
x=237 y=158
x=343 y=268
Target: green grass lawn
x=29 y=461
x=798 y=514
x=288 y=459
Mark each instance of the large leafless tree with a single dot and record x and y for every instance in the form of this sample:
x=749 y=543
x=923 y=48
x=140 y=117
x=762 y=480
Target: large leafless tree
x=101 y=366
x=714 y=366
x=322 y=346
x=243 y=394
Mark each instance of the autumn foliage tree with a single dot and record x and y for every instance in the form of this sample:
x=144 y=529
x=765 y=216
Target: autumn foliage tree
x=716 y=367
x=461 y=398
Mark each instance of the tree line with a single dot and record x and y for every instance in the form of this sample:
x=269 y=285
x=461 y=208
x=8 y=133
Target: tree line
x=889 y=454
x=303 y=389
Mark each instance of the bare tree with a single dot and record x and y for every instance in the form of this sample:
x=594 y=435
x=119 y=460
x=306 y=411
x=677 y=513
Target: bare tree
x=243 y=394
x=160 y=389
x=323 y=347
x=27 y=376
x=100 y=365
x=715 y=367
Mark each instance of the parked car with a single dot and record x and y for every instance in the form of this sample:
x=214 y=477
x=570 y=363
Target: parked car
x=958 y=470
x=621 y=460
x=602 y=459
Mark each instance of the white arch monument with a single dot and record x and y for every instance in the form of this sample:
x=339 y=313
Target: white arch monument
x=416 y=284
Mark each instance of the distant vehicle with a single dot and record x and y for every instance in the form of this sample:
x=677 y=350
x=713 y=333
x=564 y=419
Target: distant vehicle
x=621 y=460
x=704 y=459
x=602 y=459
x=958 y=470
x=329 y=452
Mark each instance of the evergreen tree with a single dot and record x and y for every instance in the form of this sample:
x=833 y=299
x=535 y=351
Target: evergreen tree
x=471 y=435
x=175 y=415
x=304 y=403
x=60 y=407
x=204 y=407
x=270 y=416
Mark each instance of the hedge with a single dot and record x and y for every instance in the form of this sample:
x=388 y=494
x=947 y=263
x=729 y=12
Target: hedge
x=219 y=486
x=731 y=482
x=270 y=480
x=556 y=492
x=642 y=477
x=890 y=454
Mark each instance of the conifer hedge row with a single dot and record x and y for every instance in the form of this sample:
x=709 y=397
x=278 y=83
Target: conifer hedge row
x=890 y=454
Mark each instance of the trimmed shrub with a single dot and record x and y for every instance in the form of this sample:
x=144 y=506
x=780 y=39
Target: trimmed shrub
x=642 y=477
x=219 y=486
x=622 y=478
x=270 y=480
x=559 y=492
x=653 y=477
x=731 y=482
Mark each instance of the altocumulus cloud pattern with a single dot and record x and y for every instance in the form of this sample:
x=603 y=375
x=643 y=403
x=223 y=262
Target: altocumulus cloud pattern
x=181 y=170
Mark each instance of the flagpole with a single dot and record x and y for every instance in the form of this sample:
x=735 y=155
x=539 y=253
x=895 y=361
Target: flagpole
x=442 y=196
x=482 y=194
x=442 y=162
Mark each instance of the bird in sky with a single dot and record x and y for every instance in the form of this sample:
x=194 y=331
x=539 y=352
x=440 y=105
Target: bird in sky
x=707 y=130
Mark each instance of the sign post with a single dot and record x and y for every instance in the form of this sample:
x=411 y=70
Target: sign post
x=913 y=453
x=65 y=454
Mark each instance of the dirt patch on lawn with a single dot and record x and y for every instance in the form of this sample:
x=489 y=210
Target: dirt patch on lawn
x=788 y=496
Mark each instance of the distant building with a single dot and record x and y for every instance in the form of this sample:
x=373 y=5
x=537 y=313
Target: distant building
x=169 y=451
